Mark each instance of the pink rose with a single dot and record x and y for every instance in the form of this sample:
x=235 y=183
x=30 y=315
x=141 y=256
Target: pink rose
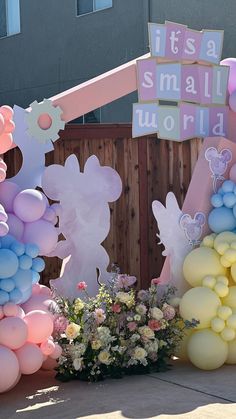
x=156 y=281
x=168 y=312
x=132 y=326
x=81 y=286
x=155 y=325
x=116 y=308
x=99 y=315
x=60 y=324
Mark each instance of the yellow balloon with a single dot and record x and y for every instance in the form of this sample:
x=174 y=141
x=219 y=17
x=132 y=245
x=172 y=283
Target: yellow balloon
x=228 y=334
x=225 y=237
x=209 y=282
x=206 y=350
x=224 y=312
x=223 y=280
x=221 y=290
x=181 y=350
x=230 y=255
x=231 y=321
x=221 y=247
x=201 y=304
x=217 y=324
x=208 y=241
x=230 y=299
x=202 y=262
x=231 y=359
x=233 y=272
x=233 y=245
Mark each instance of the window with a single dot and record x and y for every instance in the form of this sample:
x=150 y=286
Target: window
x=89 y=6
x=93 y=117
x=9 y=17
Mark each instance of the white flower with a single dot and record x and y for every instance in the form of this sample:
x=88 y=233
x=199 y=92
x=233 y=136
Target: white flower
x=147 y=332
x=77 y=363
x=129 y=319
x=137 y=317
x=139 y=353
x=156 y=313
x=141 y=309
x=104 y=357
x=135 y=337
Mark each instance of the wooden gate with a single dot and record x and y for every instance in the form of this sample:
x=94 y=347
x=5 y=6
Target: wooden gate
x=148 y=167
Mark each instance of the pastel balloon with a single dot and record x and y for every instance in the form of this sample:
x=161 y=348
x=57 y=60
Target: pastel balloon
x=16 y=226
x=4 y=297
x=206 y=350
x=38 y=264
x=8 y=192
x=230 y=299
x=221 y=219
x=18 y=248
x=2 y=123
x=57 y=352
x=10 y=310
x=16 y=295
x=4 y=229
x=40 y=326
x=7 y=285
x=29 y=205
x=30 y=358
x=13 y=332
x=37 y=302
x=232 y=101
x=7 y=112
x=32 y=250
x=231 y=62
x=201 y=304
x=1 y=312
x=6 y=142
x=2 y=174
x=9 y=367
x=22 y=279
x=200 y=263
x=43 y=234
x=232 y=173
x=25 y=262
x=47 y=347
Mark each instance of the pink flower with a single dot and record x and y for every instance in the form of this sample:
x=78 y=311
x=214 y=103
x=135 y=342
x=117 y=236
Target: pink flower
x=81 y=286
x=155 y=325
x=116 y=308
x=156 y=281
x=125 y=281
x=168 y=312
x=132 y=326
x=99 y=315
x=60 y=324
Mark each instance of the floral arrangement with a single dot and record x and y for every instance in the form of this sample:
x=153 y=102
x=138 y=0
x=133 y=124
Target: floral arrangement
x=119 y=331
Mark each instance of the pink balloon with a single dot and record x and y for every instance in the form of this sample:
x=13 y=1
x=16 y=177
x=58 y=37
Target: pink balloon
x=43 y=234
x=36 y=289
x=57 y=352
x=29 y=205
x=8 y=192
x=30 y=358
x=2 y=174
x=13 y=332
x=232 y=173
x=49 y=215
x=45 y=291
x=1 y=312
x=9 y=127
x=232 y=101
x=6 y=142
x=3 y=164
x=2 y=124
x=231 y=62
x=37 y=302
x=9 y=367
x=40 y=326
x=47 y=347
x=16 y=226
x=20 y=313
x=10 y=310
x=7 y=112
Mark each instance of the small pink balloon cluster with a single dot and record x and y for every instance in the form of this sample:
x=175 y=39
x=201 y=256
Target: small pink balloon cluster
x=26 y=340
x=30 y=217
x=231 y=62
x=7 y=127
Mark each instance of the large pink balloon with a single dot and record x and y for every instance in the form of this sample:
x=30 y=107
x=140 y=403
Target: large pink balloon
x=9 y=369
x=37 y=302
x=30 y=205
x=47 y=347
x=231 y=62
x=40 y=326
x=13 y=332
x=16 y=226
x=43 y=234
x=8 y=192
x=30 y=358
x=57 y=352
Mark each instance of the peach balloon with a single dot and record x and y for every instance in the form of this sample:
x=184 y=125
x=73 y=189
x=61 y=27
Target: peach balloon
x=2 y=124
x=37 y=302
x=45 y=291
x=9 y=367
x=10 y=310
x=7 y=112
x=47 y=347
x=9 y=127
x=13 y=332
x=30 y=358
x=6 y=142
x=40 y=326
x=57 y=352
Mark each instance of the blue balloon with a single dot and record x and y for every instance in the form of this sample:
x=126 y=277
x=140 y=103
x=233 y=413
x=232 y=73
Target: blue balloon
x=18 y=248
x=217 y=200
x=7 y=241
x=26 y=295
x=35 y=277
x=221 y=219
x=16 y=296
x=22 y=279
x=229 y=199
x=4 y=297
x=31 y=250
x=38 y=264
x=220 y=191
x=7 y=284
x=25 y=262
x=8 y=263
x=228 y=186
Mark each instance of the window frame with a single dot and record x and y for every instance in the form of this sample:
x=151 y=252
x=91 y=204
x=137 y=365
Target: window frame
x=94 y=11
x=7 y=22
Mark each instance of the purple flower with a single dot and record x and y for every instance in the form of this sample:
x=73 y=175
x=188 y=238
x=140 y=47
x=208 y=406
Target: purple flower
x=125 y=281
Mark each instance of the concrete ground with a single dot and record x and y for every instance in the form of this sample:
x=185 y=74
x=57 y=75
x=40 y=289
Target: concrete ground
x=182 y=392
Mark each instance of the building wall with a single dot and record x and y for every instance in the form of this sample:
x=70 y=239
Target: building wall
x=57 y=50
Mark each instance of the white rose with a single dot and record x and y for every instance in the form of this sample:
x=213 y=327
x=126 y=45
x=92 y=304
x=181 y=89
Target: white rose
x=156 y=313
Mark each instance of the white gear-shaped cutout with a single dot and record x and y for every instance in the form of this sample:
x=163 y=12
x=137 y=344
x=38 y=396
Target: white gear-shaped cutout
x=45 y=107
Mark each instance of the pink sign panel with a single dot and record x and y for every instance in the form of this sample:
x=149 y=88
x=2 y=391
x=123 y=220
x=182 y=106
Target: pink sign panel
x=205 y=80
x=192 y=45
x=175 y=34
x=188 y=120
x=146 y=73
x=190 y=83
x=219 y=121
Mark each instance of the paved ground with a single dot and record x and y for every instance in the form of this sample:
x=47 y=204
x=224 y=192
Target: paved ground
x=182 y=392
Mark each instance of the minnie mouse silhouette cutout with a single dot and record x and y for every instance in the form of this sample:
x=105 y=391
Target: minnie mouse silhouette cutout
x=218 y=162
x=193 y=227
